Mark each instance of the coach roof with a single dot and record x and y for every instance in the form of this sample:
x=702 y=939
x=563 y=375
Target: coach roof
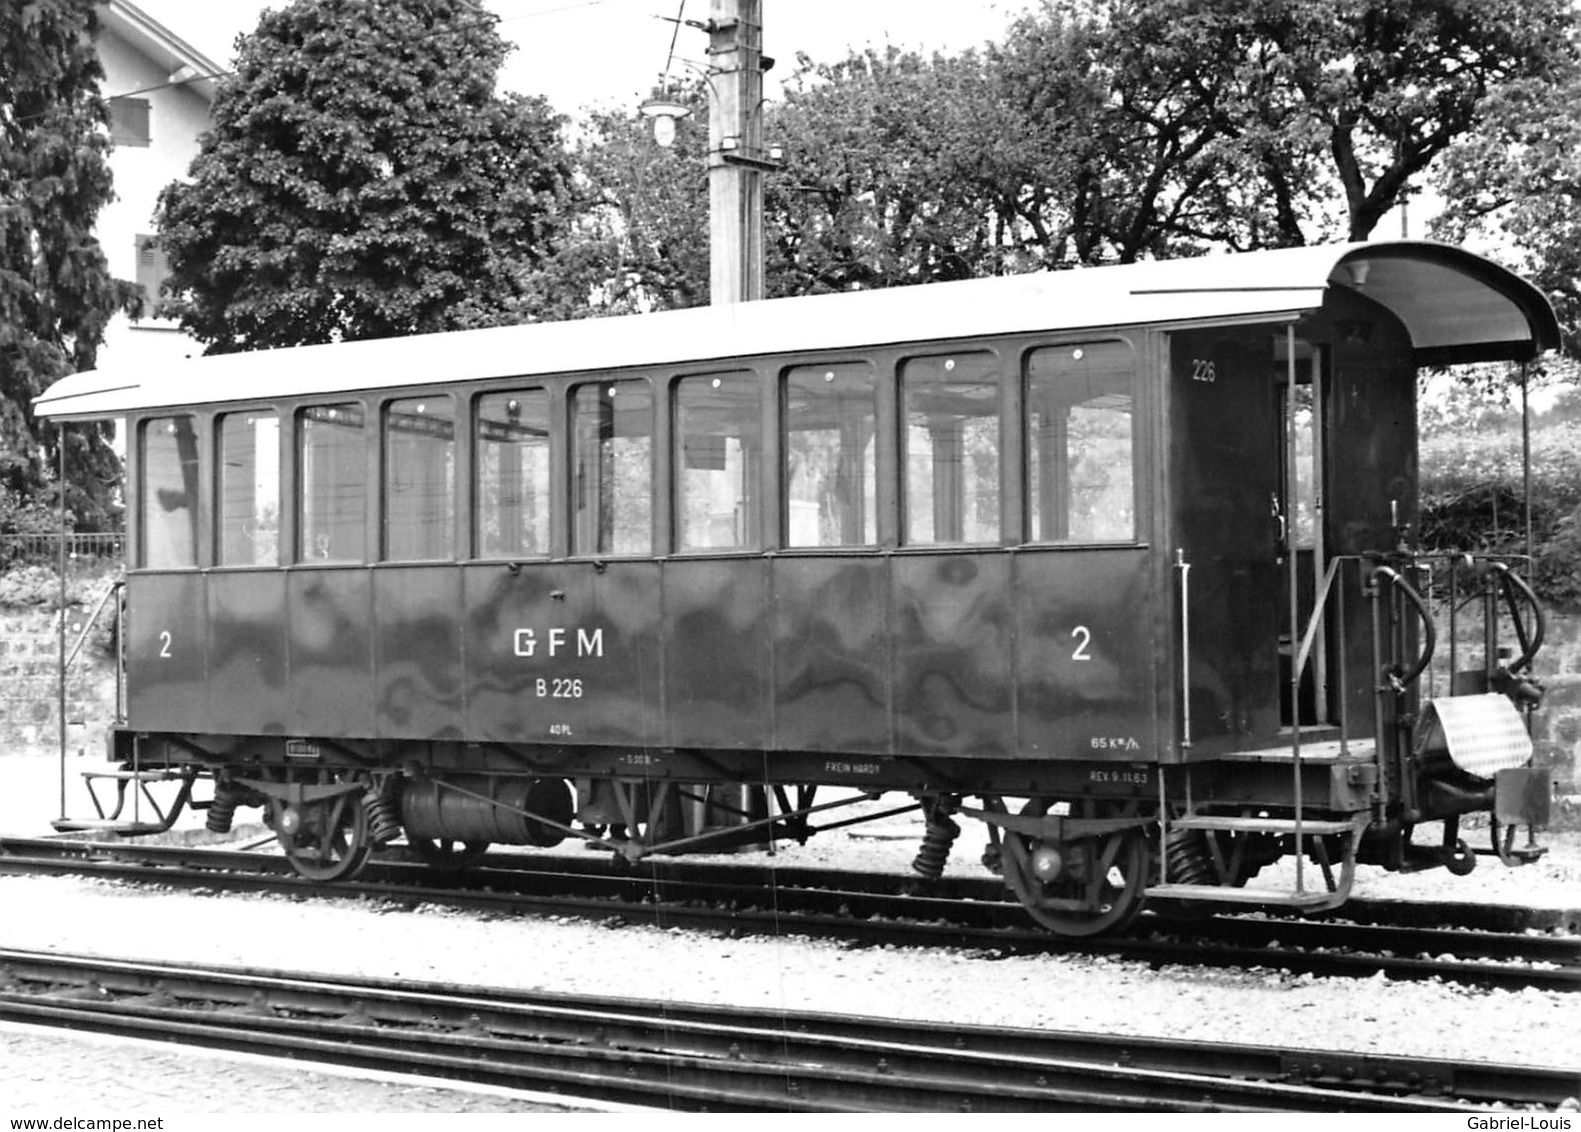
x=1457 y=307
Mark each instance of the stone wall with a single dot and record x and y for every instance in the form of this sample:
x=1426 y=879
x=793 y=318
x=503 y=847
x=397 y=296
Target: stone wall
x=1556 y=729
x=29 y=696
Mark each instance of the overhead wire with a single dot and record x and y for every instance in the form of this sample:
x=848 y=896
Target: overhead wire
x=675 y=34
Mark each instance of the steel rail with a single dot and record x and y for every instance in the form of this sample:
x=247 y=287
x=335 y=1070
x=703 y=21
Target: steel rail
x=748 y=878
x=694 y=1056
x=736 y=900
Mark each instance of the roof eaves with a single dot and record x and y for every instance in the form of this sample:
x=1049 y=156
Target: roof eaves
x=159 y=43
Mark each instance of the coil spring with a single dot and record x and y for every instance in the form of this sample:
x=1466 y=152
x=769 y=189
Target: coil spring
x=221 y=811
x=937 y=838
x=383 y=826
x=1190 y=859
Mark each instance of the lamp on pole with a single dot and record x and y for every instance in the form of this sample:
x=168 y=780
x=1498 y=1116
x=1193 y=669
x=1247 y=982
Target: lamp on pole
x=736 y=158
x=665 y=112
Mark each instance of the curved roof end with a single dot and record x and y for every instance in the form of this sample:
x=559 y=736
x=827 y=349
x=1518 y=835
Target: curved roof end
x=1458 y=306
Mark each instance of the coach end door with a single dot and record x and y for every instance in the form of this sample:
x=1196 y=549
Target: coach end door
x=1229 y=520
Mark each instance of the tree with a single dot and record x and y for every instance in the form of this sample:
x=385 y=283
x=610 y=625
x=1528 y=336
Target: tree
x=891 y=174
x=363 y=179
x=1391 y=85
x=1264 y=122
x=1516 y=182
x=1096 y=131
x=1115 y=130
x=637 y=238
x=56 y=293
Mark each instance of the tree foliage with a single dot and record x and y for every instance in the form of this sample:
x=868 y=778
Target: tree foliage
x=1092 y=131
x=363 y=179
x=890 y=174
x=56 y=293
x=1474 y=495
x=1100 y=131
x=637 y=237
x=1517 y=181
x=1170 y=125
x=1390 y=84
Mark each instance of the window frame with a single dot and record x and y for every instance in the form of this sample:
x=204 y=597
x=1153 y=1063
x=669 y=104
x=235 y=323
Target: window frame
x=874 y=484
x=299 y=484
x=218 y=510
x=750 y=504
x=556 y=452
x=655 y=494
x=387 y=470
x=195 y=506
x=992 y=350
x=1138 y=445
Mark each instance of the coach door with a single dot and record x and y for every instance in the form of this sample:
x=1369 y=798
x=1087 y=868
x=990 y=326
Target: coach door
x=1230 y=511
x=1298 y=387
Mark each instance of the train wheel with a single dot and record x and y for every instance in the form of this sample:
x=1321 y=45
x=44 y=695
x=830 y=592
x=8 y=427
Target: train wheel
x=326 y=839
x=447 y=853
x=1080 y=887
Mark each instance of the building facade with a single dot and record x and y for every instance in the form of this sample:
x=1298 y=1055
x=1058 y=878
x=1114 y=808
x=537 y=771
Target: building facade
x=160 y=90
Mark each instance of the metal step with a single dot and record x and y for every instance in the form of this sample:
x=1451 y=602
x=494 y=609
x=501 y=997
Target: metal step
x=1261 y=825
x=136 y=775
x=108 y=825
x=1326 y=751
x=1308 y=900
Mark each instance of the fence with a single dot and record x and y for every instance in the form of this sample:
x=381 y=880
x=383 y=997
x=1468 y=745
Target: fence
x=83 y=551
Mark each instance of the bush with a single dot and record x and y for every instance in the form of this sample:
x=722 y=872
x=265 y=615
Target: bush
x=25 y=586
x=1473 y=499
x=35 y=587
x=1558 y=567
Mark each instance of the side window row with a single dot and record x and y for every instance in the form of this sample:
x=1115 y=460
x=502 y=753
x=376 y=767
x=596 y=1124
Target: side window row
x=1078 y=443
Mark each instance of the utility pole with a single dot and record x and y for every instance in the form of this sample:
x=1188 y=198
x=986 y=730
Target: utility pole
x=736 y=160
x=736 y=165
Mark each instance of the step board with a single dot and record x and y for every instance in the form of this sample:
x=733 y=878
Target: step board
x=135 y=775
x=124 y=828
x=1327 y=751
x=1308 y=899
x=1261 y=825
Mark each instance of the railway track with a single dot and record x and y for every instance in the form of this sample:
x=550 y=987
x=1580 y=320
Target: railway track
x=695 y=1057
x=863 y=907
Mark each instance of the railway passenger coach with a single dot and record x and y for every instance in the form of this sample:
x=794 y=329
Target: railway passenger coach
x=1120 y=561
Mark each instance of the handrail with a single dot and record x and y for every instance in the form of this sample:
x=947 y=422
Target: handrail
x=93 y=619
x=1429 y=631
x=1510 y=582
x=1185 y=647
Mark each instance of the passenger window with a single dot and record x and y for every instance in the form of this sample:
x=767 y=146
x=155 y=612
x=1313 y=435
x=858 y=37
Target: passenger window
x=831 y=419
x=951 y=439
x=1080 y=450
x=249 y=511
x=419 y=479
x=612 y=468
x=512 y=456
x=170 y=493
x=333 y=484
x=719 y=448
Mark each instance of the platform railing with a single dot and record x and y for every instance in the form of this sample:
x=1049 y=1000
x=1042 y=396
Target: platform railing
x=81 y=550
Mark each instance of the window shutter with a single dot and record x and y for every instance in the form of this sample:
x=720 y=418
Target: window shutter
x=129 y=121
x=152 y=270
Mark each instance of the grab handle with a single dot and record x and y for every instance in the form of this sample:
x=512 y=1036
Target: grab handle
x=1515 y=591
x=1429 y=632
